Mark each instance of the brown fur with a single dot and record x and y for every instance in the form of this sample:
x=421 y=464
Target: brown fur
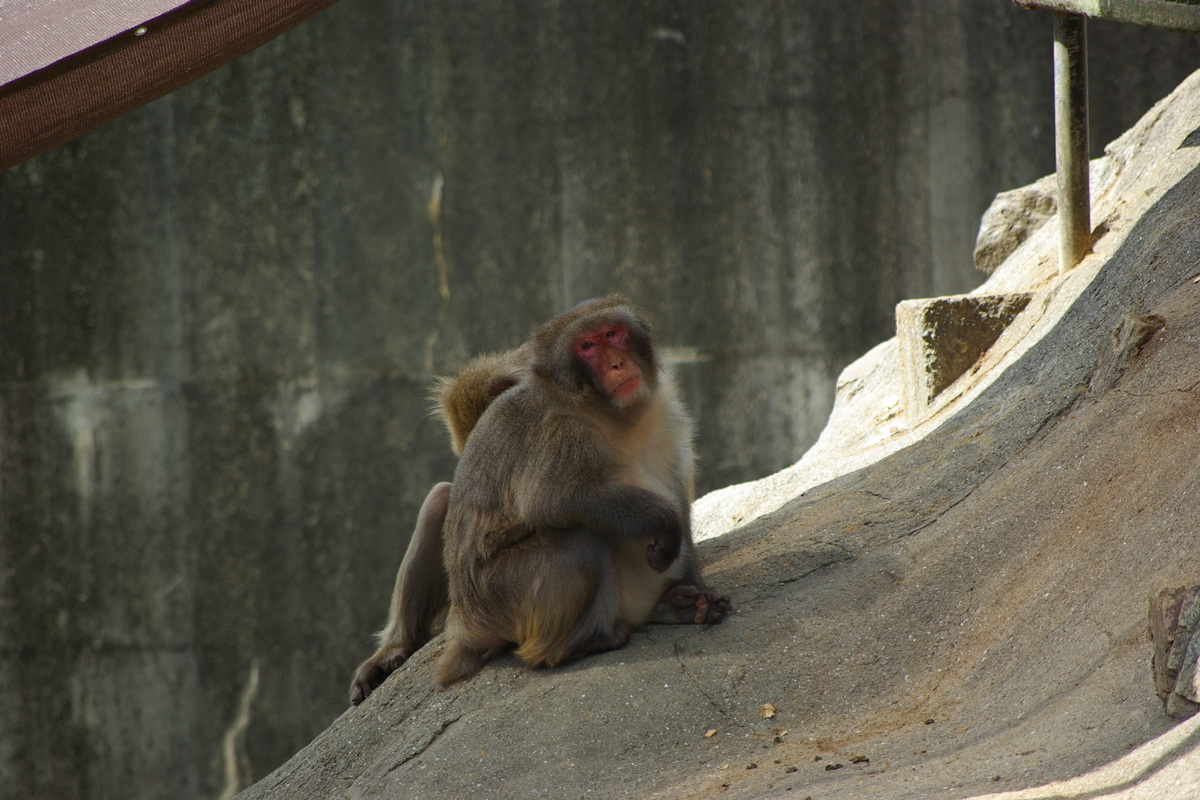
x=568 y=523
x=461 y=400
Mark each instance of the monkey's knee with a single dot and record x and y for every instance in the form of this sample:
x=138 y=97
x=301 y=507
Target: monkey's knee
x=374 y=671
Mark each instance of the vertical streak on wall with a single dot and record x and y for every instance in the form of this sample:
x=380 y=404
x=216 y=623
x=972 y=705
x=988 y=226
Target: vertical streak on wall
x=80 y=412
x=439 y=250
x=236 y=776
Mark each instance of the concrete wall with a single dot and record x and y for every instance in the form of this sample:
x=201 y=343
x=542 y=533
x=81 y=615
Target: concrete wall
x=219 y=315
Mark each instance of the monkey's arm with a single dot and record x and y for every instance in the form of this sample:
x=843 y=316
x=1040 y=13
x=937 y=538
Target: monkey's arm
x=420 y=598
x=617 y=512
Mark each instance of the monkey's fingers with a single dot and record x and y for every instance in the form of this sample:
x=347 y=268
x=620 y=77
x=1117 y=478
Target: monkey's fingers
x=662 y=552
x=362 y=686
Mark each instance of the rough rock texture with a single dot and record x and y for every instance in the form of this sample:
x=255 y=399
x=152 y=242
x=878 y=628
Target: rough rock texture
x=1011 y=218
x=941 y=338
x=1174 y=621
x=963 y=616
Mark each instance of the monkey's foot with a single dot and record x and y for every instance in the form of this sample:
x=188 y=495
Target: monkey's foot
x=374 y=671
x=697 y=605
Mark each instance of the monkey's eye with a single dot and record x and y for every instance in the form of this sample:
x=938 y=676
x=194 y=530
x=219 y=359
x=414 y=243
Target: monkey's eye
x=611 y=333
x=585 y=345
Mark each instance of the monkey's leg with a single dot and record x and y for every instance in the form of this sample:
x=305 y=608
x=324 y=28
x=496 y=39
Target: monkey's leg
x=420 y=598
x=554 y=596
x=590 y=619
x=465 y=653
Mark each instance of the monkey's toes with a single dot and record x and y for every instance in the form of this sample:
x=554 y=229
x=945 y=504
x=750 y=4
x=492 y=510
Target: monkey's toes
x=715 y=607
x=697 y=605
x=372 y=673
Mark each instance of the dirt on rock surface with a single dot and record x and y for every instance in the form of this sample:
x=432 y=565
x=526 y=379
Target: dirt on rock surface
x=964 y=617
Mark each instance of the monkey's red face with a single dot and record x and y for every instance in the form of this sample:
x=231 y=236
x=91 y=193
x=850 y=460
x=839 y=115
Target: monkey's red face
x=607 y=354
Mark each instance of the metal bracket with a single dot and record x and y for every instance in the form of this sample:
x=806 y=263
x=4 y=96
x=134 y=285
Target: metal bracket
x=1071 y=100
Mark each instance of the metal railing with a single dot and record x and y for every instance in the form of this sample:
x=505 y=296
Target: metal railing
x=1071 y=100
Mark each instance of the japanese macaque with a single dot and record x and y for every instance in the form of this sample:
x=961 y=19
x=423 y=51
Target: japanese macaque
x=569 y=520
x=461 y=400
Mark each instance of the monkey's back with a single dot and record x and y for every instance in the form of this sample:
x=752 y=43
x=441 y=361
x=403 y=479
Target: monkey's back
x=522 y=451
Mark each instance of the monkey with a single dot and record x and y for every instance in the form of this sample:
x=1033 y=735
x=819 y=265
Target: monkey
x=461 y=400
x=420 y=596
x=568 y=522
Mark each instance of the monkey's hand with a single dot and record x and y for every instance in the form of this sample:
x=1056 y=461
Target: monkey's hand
x=374 y=671
x=664 y=548
x=698 y=605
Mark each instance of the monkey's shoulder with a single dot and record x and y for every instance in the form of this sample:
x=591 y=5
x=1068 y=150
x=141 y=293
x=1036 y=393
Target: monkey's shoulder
x=521 y=426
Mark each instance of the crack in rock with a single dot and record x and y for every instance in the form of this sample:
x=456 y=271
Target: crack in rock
x=699 y=688
x=421 y=749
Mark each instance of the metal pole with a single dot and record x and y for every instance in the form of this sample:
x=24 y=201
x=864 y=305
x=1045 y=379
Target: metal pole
x=1071 y=138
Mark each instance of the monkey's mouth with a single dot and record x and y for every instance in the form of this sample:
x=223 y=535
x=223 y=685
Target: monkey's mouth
x=628 y=387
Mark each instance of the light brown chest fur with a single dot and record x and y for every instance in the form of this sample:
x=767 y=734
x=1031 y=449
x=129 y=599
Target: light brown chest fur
x=656 y=452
